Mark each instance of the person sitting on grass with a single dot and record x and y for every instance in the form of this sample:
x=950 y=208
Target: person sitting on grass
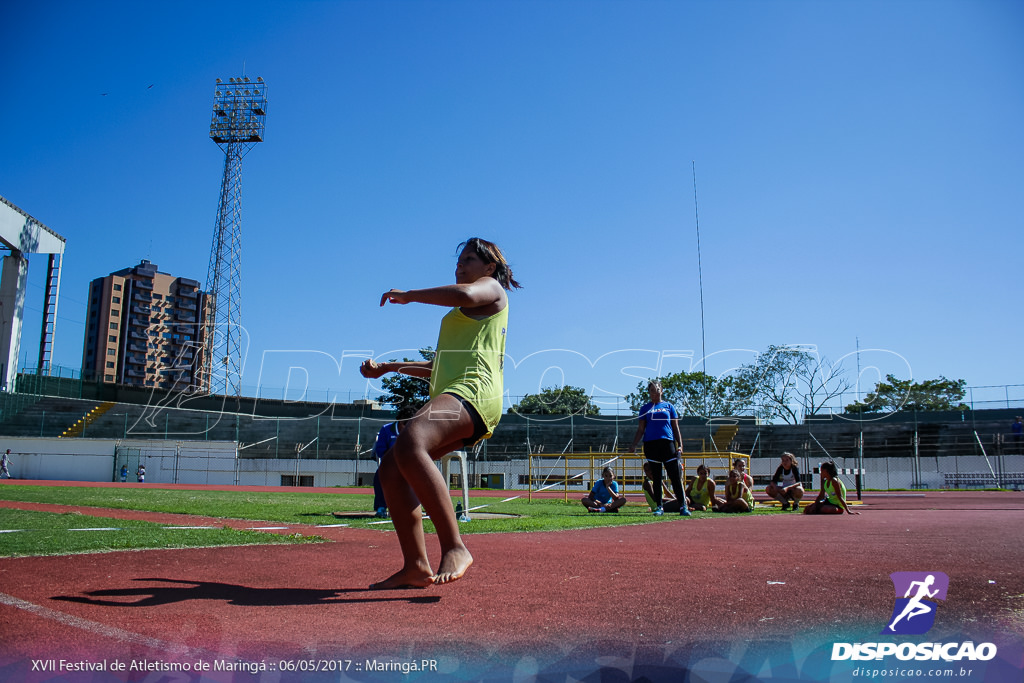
x=668 y=501
x=738 y=497
x=831 y=499
x=741 y=465
x=604 y=497
x=701 y=491
x=785 y=485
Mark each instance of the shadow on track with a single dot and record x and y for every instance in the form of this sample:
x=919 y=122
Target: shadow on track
x=232 y=594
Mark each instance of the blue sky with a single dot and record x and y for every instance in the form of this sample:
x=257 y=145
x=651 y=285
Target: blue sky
x=859 y=170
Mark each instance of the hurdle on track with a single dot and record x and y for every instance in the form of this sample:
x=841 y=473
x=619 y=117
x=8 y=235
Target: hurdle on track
x=856 y=471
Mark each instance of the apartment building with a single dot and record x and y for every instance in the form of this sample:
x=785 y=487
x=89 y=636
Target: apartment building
x=145 y=328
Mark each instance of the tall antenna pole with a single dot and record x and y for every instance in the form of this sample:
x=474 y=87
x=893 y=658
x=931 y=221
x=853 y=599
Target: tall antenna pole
x=239 y=114
x=700 y=281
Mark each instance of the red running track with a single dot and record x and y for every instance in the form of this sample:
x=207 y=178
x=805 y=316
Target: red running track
x=658 y=601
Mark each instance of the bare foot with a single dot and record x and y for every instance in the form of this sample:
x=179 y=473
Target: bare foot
x=405 y=578
x=454 y=564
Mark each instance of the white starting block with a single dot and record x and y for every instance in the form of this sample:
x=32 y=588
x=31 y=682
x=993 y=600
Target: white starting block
x=445 y=461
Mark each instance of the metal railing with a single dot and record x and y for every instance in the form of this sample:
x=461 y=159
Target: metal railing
x=579 y=471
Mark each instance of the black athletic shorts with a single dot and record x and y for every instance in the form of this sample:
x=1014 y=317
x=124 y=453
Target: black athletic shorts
x=479 y=428
x=660 y=450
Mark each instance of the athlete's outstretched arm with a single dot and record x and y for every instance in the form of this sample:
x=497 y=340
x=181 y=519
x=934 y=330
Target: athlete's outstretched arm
x=414 y=368
x=483 y=292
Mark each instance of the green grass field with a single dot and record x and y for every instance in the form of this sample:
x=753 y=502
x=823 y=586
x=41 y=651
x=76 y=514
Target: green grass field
x=45 y=533
x=50 y=534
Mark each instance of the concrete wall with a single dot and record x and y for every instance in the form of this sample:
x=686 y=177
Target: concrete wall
x=191 y=462
x=184 y=462
x=57 y=459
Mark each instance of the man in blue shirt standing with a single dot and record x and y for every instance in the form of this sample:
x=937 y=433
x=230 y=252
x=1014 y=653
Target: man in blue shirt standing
x=663 y=444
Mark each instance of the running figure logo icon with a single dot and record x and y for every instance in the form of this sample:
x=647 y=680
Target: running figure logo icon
x=914 y=612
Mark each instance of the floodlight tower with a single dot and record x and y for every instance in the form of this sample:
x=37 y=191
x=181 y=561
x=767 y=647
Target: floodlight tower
x=239 y=114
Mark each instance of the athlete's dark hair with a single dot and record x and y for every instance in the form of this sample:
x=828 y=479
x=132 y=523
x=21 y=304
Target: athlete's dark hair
x=831 y=467
x=490 y=253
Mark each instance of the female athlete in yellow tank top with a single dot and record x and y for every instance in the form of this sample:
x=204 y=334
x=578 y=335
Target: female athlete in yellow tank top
x=465 y=405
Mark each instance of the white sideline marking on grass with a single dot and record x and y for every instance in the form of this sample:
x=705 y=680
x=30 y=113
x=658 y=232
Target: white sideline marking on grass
x=10 y=531
x=102 y=629
x=330 y=526
x=99 y=528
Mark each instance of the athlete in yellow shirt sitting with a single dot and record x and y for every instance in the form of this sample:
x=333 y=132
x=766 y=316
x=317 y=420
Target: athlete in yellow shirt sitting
x=831 y=499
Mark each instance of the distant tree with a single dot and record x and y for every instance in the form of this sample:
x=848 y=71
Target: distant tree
x=789 y=383
x=894 y=395
x=567 y=400
x=403 y=390
x=695 y=393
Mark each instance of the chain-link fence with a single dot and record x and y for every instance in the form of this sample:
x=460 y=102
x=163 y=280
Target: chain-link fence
x=574 y=475
x=570 y=474
x=330 y=445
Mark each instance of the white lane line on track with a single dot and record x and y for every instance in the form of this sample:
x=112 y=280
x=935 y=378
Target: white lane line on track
x=102 y=629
